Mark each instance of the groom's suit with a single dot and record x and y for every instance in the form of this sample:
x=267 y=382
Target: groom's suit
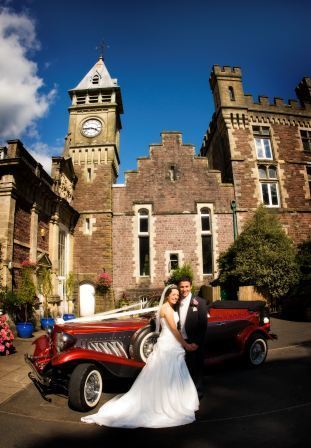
x=195 y=326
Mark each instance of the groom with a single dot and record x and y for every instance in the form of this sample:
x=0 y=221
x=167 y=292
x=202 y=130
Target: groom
x=193 y=323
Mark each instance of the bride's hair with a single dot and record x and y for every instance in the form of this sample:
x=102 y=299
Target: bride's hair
x=168 y=291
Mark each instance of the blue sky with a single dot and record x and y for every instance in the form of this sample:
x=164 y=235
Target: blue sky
x=162 y=53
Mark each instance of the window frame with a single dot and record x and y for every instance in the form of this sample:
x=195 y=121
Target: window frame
x=306 y=139
x=269 y=182
x=261 y=135
x=205 y=211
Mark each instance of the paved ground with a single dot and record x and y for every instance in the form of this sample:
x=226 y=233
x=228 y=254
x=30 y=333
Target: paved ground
x=267 y=406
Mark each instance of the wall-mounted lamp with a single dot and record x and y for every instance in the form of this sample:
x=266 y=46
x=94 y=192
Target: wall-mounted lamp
x=10 y=265
x=42 y=232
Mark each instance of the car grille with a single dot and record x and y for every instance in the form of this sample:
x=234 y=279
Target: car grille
x=111 y=348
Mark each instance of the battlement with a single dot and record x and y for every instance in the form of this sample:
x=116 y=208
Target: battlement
x=226 y=70
x=277 y=103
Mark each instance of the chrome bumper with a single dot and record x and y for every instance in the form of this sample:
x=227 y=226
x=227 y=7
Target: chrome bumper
x=34 y=374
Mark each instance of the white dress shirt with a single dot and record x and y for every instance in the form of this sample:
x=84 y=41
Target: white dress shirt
x=183 y=310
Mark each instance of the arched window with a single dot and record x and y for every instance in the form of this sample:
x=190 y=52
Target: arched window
x=269 y=185
x=206 y=238
x=231 y=93
x=144 y=242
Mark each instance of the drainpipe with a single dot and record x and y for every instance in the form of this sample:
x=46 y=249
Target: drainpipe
x=235 y=223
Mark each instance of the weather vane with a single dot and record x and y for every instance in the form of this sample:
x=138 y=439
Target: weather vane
x=102 y=47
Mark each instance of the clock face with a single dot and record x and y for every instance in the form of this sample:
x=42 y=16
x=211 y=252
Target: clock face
x=91 y=128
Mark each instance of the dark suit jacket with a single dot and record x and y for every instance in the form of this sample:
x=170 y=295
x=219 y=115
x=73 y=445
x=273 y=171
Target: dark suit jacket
x=196 y=320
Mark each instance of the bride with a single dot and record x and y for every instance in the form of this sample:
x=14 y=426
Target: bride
x=163 y=394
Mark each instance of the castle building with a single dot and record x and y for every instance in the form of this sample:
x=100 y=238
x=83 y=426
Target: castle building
x=177 y=206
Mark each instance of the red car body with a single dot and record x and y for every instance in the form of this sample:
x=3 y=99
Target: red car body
x=79 y=356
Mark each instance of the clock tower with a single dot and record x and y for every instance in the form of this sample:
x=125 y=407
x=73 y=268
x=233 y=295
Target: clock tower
x=93 y=145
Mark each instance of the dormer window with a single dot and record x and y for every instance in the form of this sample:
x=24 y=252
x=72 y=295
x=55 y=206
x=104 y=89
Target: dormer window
x=95 y=79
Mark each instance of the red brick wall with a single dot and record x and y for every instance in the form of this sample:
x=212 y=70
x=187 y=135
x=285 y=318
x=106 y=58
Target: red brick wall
x=22 y=223
x=174 y=209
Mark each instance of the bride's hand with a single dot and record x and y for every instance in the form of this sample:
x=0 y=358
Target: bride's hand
x=191 y=347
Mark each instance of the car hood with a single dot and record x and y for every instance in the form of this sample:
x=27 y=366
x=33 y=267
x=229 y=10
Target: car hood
x=108 y=325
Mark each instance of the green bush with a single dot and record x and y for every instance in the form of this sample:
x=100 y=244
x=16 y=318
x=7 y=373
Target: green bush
x=262 y=256
x=177 y=274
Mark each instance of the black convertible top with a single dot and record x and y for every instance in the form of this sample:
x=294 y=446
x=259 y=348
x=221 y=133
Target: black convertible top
x=252 y=305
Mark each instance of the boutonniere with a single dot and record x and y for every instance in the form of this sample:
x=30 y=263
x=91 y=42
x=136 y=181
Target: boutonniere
x=194 y=302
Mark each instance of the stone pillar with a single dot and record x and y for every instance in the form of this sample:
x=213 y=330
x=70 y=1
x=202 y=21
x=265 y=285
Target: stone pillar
x=53 y=249
x=34 y=233
x=7 y=213
x=7 y=207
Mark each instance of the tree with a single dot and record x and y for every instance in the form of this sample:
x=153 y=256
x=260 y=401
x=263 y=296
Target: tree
x=46 y=289
x=262 y=256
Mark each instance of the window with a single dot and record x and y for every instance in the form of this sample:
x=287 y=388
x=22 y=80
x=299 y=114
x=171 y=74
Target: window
x=269 y=185
x=309 y=178
x=174 y=262
x=306 y=140
x=262 y=142
x=95 y=79
x=81 y=99
x=206 y=237
x=89 y=174
x=3 y=153
x=62 y=253
x=93 y=98
x=231 y=93
x=143 y=241
x=87 y=225
x=172 y=173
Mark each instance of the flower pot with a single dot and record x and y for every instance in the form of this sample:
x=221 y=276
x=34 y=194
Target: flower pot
x=47 y=322
x=24 y=329
x=69 y=316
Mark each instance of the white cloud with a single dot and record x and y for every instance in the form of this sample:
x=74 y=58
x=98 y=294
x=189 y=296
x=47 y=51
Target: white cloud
x=21 y=103
x=42 y=153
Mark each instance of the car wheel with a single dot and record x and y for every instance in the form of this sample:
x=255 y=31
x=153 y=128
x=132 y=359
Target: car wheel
x=256 y=350
x=142 y=343
x=85 y=387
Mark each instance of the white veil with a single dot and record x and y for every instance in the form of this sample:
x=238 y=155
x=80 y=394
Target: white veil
x=157 y=329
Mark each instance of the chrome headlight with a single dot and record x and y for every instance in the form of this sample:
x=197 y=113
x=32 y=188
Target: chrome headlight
x=266 y=320
x=64 y=341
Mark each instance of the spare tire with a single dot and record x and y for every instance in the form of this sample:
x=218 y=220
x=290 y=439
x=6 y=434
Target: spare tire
x=142 y=343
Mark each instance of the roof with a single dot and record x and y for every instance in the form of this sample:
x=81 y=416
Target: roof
x=102 y=77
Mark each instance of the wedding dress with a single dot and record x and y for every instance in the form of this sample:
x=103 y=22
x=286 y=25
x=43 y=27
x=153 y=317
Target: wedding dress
x=162 y=395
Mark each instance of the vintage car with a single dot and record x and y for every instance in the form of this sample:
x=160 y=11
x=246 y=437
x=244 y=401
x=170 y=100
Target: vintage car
x=78 y=356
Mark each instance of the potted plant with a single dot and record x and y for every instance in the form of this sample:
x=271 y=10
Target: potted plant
x=69 y=283
x=103 y=282
x=26 y=297
x=46 y=289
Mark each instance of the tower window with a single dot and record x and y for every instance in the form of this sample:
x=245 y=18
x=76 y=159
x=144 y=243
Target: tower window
x=172 y=173
x=89 y=174
x=93 y=98
x=269 y=185
x=95 y=79
x=306 y=140
x=87 y=225
x=206 y=238
x=3 y=153
x=143 y=242
x=231 y=93
x=262 y=142
x=81 y=99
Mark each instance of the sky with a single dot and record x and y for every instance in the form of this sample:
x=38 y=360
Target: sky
x=162 y=53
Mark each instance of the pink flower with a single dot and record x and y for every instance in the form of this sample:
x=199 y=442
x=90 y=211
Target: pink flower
x=194 y=302
x=1 y=348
